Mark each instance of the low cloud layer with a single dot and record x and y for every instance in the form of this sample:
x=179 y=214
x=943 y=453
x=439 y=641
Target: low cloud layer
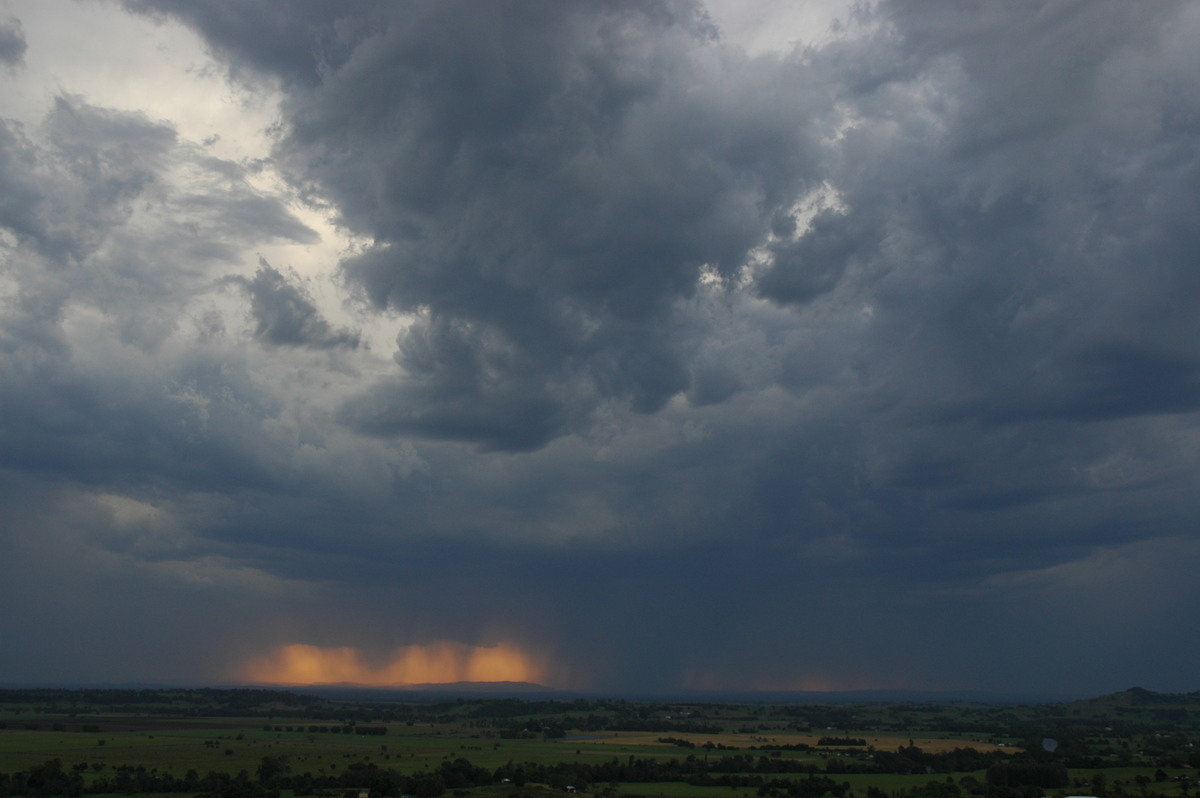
x=863 y=361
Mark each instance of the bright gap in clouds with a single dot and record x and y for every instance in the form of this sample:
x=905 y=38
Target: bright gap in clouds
x=435 y=663
x=164 y=72
x=776 y=26
x=160 y=70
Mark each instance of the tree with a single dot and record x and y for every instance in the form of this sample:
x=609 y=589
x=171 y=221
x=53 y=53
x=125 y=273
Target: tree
x=271 y=769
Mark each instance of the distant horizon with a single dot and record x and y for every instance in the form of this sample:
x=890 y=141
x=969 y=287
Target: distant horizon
x=527 y=689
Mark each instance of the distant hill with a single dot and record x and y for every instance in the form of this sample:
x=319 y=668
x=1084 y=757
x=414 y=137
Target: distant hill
x=422 y=692
x=1139 y=698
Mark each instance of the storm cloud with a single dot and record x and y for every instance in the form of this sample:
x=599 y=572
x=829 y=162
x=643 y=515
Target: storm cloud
x=650 y=358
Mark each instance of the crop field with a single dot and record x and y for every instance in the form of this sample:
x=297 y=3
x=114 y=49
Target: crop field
x=242 y=743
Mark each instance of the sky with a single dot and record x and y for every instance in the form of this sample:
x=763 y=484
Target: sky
x=620 y=347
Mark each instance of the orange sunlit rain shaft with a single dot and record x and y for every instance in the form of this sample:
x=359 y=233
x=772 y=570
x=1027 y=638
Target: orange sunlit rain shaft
x=436 y=663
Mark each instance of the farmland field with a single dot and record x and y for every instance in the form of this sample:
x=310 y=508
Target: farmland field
x=265 y=744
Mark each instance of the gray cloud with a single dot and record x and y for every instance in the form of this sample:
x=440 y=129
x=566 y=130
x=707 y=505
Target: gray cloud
x=108 y=248
x=12 y=43
x=294 y=40
x=552 y=180
x=284 y=315
x=63 y=197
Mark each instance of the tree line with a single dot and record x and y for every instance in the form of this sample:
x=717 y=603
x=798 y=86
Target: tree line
x=770 y=776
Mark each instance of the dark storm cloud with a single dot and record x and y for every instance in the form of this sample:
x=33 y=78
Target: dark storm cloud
x=284 y=314
x=294 y=40
x=858 y=350
x=543 y=183
x=465 y=384
x=12 y=43
x=1014 y=236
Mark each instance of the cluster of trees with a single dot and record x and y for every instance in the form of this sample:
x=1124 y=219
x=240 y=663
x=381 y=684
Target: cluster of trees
x=782 y=747
x=347 y=729
x=905 y=760
x=1028 y=774
x=42 y=781
x=175 y=701
x=735 y=771
x=742 y=770
x=677 y=741
x=770 y=774
x=710 y=745
x=51 y=780
x=552 y=727
x=912 y=759
x=771 y=777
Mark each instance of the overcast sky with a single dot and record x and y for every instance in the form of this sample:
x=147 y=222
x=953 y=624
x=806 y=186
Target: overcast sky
x=613 y=346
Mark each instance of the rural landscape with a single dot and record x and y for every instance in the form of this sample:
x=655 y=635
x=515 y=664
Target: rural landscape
x=260 y=743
